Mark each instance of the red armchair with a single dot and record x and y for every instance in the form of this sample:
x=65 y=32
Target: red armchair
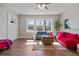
x=68 y=40
x=5 y=43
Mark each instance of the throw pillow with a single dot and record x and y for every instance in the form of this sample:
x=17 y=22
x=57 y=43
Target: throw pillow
x=50 y=33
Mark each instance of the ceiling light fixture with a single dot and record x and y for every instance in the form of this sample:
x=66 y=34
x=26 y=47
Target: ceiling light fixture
x=42 y=6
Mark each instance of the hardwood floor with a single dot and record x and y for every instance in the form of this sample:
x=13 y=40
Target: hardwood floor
x=23 y=47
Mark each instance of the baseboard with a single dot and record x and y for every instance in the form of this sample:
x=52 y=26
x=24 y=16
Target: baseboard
x=26 y=38
x=16 y=39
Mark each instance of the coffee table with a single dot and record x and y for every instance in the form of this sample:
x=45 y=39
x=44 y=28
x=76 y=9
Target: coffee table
x=45 y=40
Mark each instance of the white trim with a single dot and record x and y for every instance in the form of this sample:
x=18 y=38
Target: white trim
x=24 y=37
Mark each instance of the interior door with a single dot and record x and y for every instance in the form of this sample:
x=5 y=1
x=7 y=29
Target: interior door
x=11 y=27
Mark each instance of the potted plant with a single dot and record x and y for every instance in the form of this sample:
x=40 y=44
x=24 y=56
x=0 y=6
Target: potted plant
x=57 y=26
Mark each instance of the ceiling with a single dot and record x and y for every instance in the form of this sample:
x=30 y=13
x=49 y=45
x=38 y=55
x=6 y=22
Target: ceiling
x=30 y=8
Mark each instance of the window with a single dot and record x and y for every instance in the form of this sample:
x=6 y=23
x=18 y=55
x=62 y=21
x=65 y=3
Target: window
x=30 y=24
x=38 y=25
x=48 y=25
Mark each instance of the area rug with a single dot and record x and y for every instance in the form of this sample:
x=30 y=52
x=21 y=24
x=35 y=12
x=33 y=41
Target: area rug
x=55 y=46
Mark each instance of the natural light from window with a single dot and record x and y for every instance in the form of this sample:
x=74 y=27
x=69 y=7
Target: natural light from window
x=31 y=42
x=39 y=25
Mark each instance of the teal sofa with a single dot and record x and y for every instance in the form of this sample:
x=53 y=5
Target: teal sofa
x=39 y=34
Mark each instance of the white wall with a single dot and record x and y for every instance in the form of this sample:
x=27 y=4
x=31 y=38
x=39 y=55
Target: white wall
x=22 y=25
x=74 y=12
x=12 y=27
x=4 y=22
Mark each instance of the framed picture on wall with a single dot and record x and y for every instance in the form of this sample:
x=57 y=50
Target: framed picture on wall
x=72 y=23
x=67 y=24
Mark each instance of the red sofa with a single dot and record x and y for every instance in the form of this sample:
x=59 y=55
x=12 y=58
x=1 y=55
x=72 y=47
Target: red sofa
x=5 y=43
x=68 y=40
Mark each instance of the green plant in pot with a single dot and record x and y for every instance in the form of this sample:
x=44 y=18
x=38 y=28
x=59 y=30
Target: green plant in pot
x=57 y=26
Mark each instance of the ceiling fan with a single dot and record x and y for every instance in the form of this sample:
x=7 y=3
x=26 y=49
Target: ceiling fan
x=42 y=6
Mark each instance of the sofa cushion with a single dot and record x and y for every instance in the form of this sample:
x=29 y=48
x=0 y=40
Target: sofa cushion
x=5 y=43
x=41 y=33
x=38 y=37
x=61 y=34
x=78 y=36
x=71 y=36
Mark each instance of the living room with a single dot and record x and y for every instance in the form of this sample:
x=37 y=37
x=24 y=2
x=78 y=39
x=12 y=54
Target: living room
x=20 y=23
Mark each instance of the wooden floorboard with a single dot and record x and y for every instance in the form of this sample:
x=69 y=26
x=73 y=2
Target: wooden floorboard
x=23 y=47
